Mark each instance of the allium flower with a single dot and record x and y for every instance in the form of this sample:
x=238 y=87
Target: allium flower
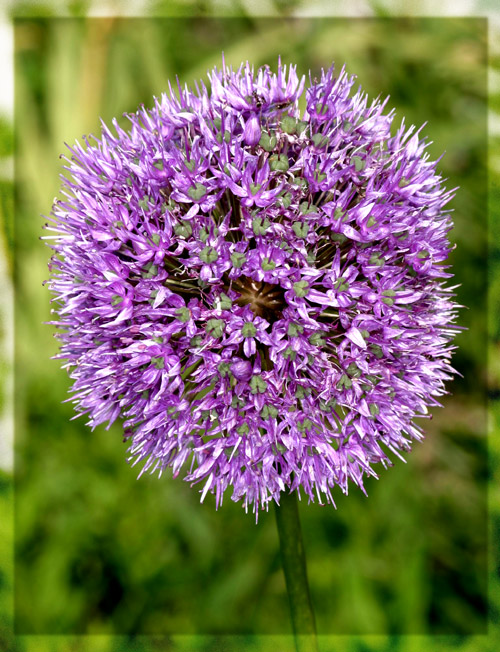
x=258 y=293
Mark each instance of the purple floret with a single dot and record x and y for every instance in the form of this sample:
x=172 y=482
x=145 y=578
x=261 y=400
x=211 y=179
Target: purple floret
x=257 y=292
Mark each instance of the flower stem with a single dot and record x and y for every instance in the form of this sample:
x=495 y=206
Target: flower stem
x=294 y=566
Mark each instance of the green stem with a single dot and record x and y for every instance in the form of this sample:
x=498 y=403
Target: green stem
x=294 y=565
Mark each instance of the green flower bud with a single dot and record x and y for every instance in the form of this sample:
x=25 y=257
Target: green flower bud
x=320 y=140
x=224 y=369
x=279 y=163
x=344 y=381
x=305 y=208
x=238 y=259
x=183 y=229
x=341 y=284
x=243 y=429
x=268 y=265
x=215 y=327
x=248 y=329
x=294 y=329
x=223 y=301
x=300 y=392
x=387 y=298
x=268 y=142
x=317 y=339
x=237 y=402
x=376 y=350
x=159 y=362
x=289 y=125
x=376 y=260
x=301 y=288
x=197 y=191
x=269 y=412
x=150 y=270
x=328 y=406
x=260 y=226
x=321 y=108
x=339 y=213
x=301 y=229
x=209 y=255
x=353 y=370
x=183 y=314
x=359 y=163
x=257 y=384
x=226 y=137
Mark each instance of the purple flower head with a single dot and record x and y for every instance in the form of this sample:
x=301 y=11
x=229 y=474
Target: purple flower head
x=252 y=132
x=257 y=293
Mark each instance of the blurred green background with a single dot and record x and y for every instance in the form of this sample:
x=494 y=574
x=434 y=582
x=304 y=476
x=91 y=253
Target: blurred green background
x=98 y=552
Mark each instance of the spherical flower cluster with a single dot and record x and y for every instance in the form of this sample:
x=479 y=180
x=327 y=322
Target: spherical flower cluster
x=258 y=292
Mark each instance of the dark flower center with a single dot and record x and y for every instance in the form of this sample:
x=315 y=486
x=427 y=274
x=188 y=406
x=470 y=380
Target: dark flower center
x=266 y=300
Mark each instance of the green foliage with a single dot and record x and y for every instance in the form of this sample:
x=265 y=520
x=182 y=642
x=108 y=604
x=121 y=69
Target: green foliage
x=99 y=552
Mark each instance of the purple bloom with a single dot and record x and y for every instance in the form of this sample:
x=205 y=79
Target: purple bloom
x=252 y=132
x=258 y=293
